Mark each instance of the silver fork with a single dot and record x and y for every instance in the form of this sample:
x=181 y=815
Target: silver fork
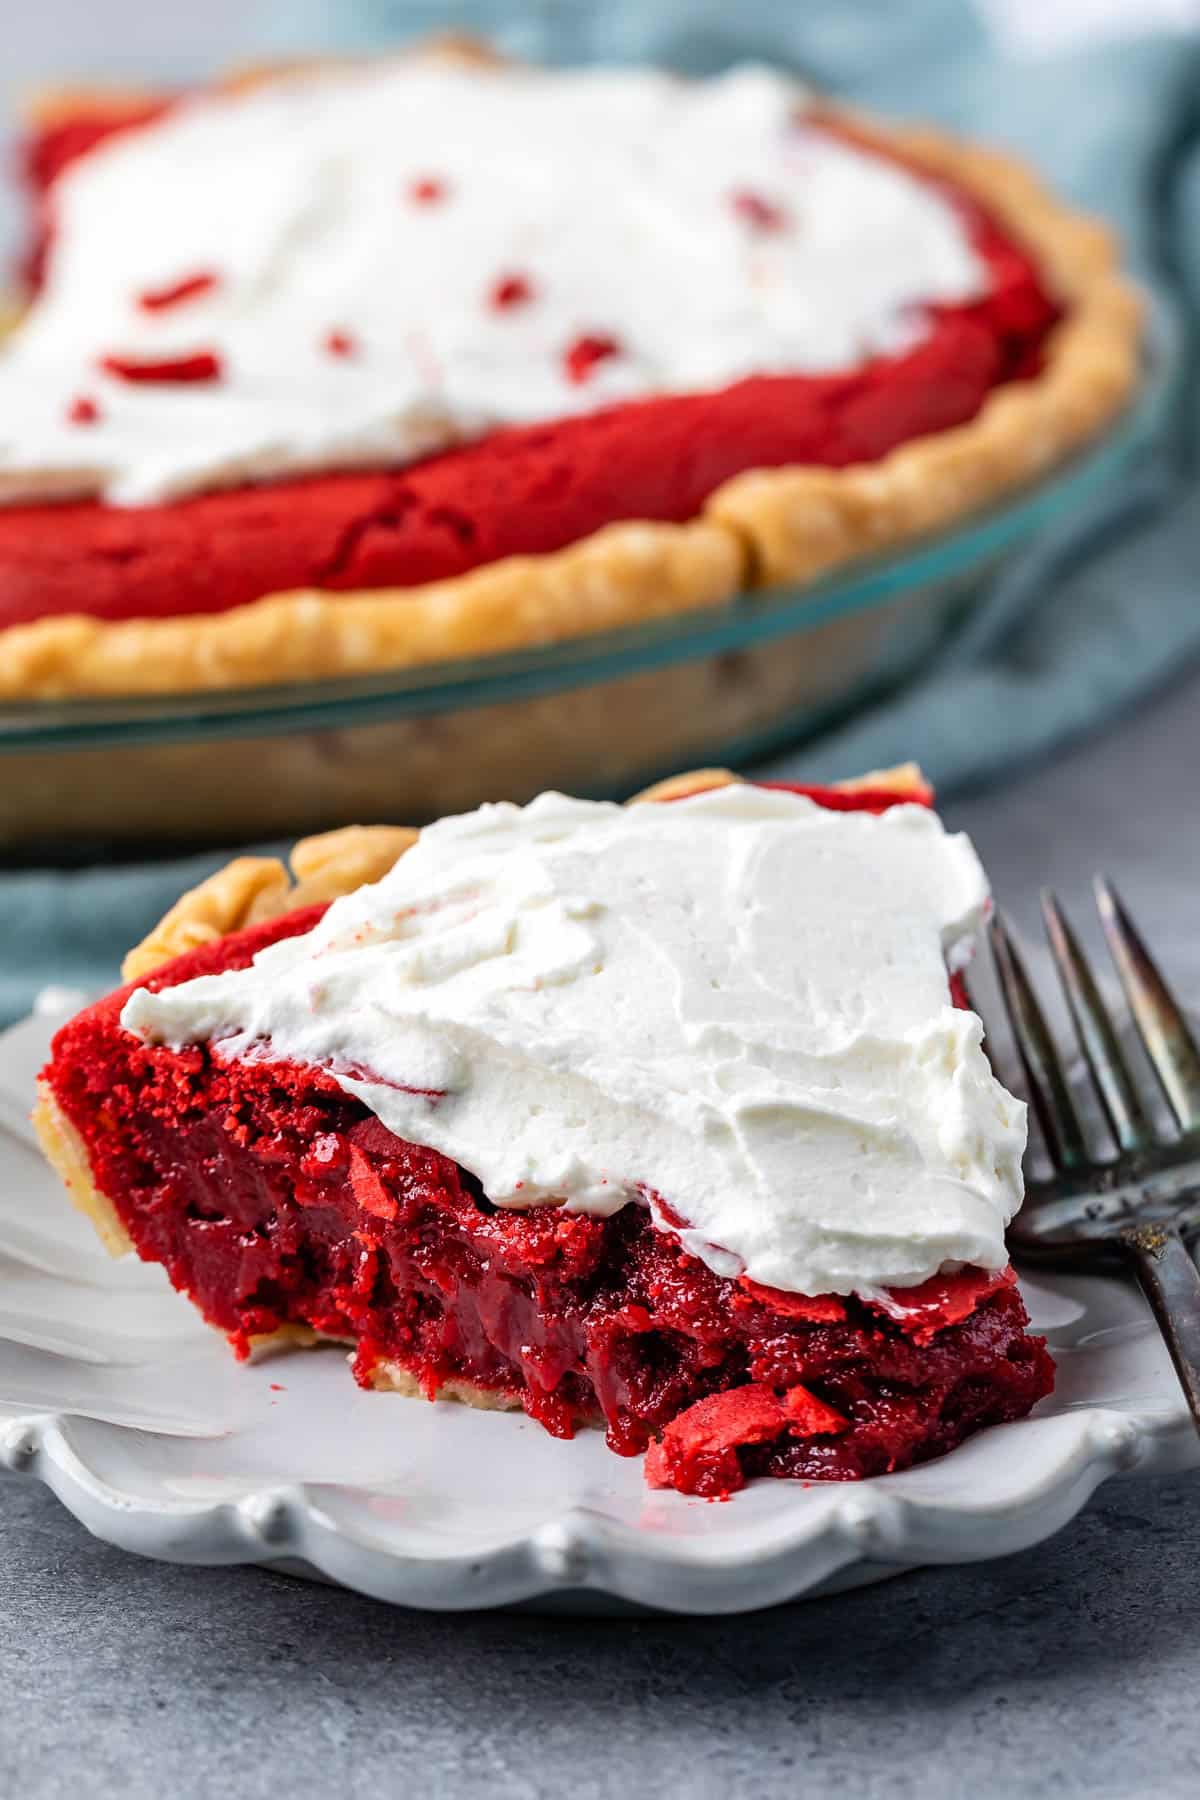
x=1140 y=1203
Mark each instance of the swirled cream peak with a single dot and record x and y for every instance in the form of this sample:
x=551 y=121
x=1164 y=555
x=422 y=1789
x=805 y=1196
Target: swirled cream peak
x=383 y=261
x=733 y=1008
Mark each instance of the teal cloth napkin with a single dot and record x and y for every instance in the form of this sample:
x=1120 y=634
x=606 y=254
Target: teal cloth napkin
x=1083 y=628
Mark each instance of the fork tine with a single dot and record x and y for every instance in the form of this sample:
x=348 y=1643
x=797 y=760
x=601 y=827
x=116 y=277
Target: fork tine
x=1161 y=1025
x=1099 y=1042
x=1048 y=1087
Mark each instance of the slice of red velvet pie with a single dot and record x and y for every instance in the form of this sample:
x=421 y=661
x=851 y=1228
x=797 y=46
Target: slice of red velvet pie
x=668 y=1117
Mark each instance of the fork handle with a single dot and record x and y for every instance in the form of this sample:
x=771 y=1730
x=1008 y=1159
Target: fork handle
x=1170 y=1281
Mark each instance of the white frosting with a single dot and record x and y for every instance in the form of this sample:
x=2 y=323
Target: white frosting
x=612 y=192
x=736 y=1004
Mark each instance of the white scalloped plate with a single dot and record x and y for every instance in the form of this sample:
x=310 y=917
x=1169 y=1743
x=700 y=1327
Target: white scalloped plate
x=122 y=1401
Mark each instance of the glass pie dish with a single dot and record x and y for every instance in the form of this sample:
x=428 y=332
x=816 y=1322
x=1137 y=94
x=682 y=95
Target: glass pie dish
x=598 y=716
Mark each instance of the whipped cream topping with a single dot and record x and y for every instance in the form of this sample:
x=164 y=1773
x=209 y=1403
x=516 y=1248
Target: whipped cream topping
x=732 y=1008
x=360 y=267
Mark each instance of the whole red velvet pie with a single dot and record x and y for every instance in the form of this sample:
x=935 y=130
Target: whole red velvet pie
x=668 y=1118
x=339 y=369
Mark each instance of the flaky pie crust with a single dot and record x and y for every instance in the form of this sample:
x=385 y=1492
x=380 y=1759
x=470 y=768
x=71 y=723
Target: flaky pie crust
x=762 y=529
x=252 y=889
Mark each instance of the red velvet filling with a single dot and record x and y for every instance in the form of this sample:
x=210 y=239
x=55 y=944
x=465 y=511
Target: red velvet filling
x=271 y=1198
x=524 y=490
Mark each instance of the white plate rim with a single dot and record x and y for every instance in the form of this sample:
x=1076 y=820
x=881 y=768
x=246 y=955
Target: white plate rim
x=581 y=1553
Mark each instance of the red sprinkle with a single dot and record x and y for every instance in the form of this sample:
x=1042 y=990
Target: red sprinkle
x=428 y=190
x=201 y=365
x=583 y=355
x=510 y=290
x=189 y=287
x=816 y=1309
x=762 y=214
x=83 y=411
x=367 y=1188
x=340 y=343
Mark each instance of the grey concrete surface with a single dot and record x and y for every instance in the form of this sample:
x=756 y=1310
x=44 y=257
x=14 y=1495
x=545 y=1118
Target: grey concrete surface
x=1068 y=1671
x=1127 y=802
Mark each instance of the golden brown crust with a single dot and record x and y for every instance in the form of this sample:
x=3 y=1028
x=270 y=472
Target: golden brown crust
x=904 y=778
x=763 y=528
x=386 y=1375
x=336 y=862
x=253 y=888
x=67 y=1155
x=391 y=1377
x=290 y=1337
x=244 y=890
x=623 y=574
x=44 y=108
x=693 y=781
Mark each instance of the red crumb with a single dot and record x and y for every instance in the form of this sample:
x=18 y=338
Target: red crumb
x=509 y=291
x=339 y=343
x=762 y=214
x=581 y=357
x=83 y=410
x=427 y=190
x=367 y=1188
x=698 y=1451
x=189 y=287
x=946 y=1300
x=200 y=365
x=818 y=1309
